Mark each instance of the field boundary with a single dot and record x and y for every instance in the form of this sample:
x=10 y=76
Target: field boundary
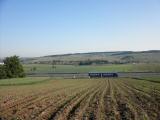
x=150 y=80
x=30 y=83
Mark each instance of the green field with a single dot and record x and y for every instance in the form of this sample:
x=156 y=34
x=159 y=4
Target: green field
x=70 y=99
x=92 y=68
x=23 y=81
x=151 y=79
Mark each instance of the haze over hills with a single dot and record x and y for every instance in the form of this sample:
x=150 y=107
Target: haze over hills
x=151 y=56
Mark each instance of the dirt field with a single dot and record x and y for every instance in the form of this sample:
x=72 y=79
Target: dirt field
x=76 y=99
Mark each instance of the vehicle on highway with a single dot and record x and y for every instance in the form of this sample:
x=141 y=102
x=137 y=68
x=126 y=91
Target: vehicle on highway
x=102 y=74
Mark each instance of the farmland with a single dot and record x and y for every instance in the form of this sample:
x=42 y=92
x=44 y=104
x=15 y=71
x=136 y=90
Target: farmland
x=79 y=60
x=89 y=99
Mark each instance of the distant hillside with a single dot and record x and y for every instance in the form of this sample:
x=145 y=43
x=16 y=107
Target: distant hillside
x=152 y=56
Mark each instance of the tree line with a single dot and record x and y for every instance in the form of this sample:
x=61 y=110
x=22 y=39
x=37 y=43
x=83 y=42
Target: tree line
x=12 y=68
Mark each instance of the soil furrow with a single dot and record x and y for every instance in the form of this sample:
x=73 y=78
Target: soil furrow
x=63 y=112
x=55 y=107
x=39 y=105
x=102 y=106
x=139 y=113
x=22 y=105
x=78 y=111
x=144 y=102
x=124 y=104
x=92 y=109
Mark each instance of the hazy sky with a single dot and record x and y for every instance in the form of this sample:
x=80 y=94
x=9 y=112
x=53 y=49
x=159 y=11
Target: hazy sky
x=44 y=27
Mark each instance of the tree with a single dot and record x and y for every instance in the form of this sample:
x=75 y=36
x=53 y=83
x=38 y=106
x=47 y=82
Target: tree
x=2 y=72
x=54 y=65
x=13 y=67
x=33 y=69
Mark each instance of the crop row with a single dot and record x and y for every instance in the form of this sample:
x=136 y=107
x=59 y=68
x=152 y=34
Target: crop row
x=94 y=99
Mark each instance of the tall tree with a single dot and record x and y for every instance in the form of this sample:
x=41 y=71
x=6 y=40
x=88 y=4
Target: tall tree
x=13 y=67
x=2 y=72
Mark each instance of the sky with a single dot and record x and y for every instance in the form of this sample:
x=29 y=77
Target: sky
x=31 y=28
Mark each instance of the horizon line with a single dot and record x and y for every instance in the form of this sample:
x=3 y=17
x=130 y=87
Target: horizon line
x=70 y=53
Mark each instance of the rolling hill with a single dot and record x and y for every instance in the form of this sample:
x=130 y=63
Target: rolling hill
x=152 y=56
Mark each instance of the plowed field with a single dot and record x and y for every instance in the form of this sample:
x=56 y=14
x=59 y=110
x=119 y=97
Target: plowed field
x=81 y=99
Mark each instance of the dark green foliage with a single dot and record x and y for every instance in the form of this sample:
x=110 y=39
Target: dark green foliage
x=2 y=72
x=12 y=68
x=90 y=62
x=33 y=69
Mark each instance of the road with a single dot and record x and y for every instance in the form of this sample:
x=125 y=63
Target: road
x=85 y=75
